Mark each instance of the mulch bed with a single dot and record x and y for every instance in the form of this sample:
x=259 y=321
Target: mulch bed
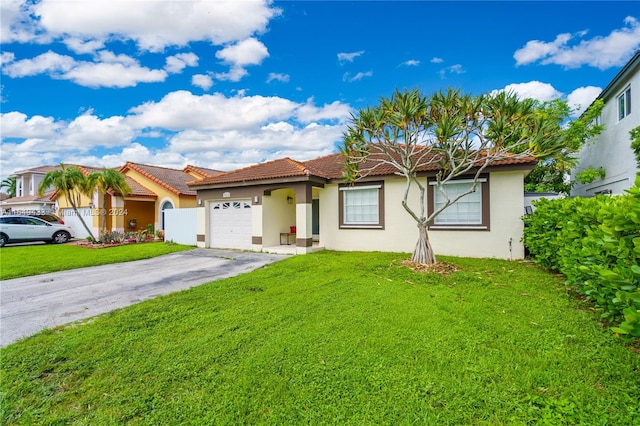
x=442 y=268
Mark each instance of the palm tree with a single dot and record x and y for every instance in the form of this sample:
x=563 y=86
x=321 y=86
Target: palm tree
x=73 y=184
x=10 y=184
x=105 y=180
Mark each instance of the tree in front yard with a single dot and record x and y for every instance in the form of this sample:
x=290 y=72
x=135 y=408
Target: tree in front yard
x=108 y=180
x=73 y=184
x=453 y=133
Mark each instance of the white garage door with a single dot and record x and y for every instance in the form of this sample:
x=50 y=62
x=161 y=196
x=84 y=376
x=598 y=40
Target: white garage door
x=230 y=224
x=71 y=218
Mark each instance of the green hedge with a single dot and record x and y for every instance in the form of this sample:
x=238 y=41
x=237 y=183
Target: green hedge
x=595 y=243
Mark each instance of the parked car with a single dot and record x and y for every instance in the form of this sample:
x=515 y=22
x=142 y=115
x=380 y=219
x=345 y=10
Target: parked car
x=51 y=218
x=20 y=229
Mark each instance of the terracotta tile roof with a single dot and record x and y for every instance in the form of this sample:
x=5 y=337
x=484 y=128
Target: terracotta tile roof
x=332 y=166
x=171 y=179
x=327 y=167
x=138 y=190
x=203 y=172
x=281 y=168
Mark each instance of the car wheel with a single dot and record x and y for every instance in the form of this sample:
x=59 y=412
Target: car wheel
x=61 y=237
x=3 y=240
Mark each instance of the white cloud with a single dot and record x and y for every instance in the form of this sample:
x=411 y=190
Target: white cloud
x=411 y=63
x=176 y=63
x=6 y=58
x=182 y=110
x=16 y=125
x=582 y=97
x=612 y=50
x=239 y=55
x=349 y=57
x=453 y=69
x=81 y=46
x=245 y=52
x=113 y=70
x=359 y=76
x=436 y=60
x=16 y=24
x=284 y=78
x=112 y=75
x=202 y=81
x=49 y=62
x=533 y=89
x=153 y=25
x=308 y=112
x=88 y=131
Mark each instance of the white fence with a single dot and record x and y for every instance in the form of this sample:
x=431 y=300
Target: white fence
x=181 y=226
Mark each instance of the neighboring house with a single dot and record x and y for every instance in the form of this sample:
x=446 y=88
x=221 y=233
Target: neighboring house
x=611 y=149
x=27 y=199
x=154 y=189
x=256 y=207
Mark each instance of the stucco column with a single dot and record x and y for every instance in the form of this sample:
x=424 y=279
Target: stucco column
x=117 y=220
x=304 y=231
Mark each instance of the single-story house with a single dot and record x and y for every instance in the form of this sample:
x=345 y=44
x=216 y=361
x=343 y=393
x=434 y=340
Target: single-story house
x=308 y=205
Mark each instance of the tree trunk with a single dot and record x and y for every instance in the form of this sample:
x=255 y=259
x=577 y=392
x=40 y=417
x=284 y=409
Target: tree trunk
x=423 y=253
x=103 y=217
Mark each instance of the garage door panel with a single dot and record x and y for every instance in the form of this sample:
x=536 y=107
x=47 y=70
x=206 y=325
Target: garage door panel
x=230 y=224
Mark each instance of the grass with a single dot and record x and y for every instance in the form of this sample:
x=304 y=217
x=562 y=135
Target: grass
x=23 y=261
x=334 y=338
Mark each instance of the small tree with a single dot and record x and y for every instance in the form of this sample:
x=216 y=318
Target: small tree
x=73 y=184
x=454 y=134
x=104 y=181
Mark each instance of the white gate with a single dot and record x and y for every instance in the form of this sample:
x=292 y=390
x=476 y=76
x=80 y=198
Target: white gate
x=181 y=226
x=70 y=218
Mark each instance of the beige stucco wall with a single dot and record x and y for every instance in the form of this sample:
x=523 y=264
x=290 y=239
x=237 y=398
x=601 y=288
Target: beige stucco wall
x=278 y=216
x=400 y=233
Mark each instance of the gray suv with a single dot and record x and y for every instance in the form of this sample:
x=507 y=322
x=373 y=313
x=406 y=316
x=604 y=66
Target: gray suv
x=20 y=229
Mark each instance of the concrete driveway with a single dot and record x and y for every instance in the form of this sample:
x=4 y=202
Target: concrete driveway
x=28 y=305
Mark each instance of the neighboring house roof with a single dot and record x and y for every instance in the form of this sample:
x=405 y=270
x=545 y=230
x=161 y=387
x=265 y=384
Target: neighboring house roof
x=201 y=172
x=47 y=197
x=35 y=170
x=329 y=167
x=171 y=179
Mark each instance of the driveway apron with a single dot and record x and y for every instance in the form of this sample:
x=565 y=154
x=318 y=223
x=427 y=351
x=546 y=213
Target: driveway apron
x=28 y=305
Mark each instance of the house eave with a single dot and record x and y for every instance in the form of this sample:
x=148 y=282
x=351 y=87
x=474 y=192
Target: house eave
x=260 y=182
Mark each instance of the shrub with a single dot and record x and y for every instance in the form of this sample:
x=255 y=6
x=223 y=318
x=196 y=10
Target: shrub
x=595 y=243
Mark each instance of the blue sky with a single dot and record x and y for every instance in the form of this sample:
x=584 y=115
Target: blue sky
x=229 y=84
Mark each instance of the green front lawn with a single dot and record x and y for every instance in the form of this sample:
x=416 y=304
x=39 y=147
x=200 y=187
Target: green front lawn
x=334 y=338
x=24 y=261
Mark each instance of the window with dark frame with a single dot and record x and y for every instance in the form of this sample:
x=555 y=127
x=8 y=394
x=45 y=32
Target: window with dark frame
x=624 y=104
x=471 y=212
x=361 y=206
